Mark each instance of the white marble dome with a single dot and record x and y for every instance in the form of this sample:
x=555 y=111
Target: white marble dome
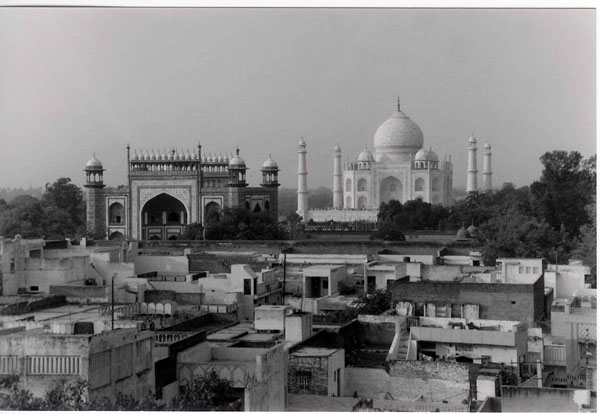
x=93 y=163
x=270 y=164
x=365 y=156
x=426 y=155
x=397 y=135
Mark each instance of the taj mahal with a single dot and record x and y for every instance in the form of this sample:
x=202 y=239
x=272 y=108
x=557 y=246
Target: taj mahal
x=400 y=169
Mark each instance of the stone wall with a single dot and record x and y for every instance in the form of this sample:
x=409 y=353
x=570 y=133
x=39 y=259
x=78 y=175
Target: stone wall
x=315 y=367
x=409 y=380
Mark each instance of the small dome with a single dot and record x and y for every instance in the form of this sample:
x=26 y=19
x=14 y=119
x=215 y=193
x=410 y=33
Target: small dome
x=426 y=155
x=94 y=163
x=365 y=156
x=269 y=164
x=135 y=156
x=487 y=146
x=462 y=233
x=337 y=148
x=301 y=143
x=472 y=229
x=237 y=161
x=472 y=140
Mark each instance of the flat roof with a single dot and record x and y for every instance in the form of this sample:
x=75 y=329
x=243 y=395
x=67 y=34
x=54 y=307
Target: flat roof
x=324 y=266
x=313 y=351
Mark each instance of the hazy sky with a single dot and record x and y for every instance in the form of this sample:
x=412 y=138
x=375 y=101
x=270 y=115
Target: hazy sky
x=78 y=81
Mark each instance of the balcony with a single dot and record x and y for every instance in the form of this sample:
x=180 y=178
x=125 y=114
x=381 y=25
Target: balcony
x=463 y=336
x=555 y=355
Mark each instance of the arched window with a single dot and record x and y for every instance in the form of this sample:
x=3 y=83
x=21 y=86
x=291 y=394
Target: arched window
x=116 y=213
x=362 y=184
x=419 y=184
x=257 y=208
x=362 y=202
x=348 y=185
x=247 y=205
x=348 y=202
x=267 y=205
x=390 y=188
x=173 y=217
x=435 y=184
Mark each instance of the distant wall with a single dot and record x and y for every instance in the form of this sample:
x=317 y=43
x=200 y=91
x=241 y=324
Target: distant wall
x=522 y=399
x=161 y=264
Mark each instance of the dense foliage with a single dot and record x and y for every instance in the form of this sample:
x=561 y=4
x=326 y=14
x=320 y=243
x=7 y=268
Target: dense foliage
x=553 y=218
x=242 y=224
x=58 y=214
x=203 y=393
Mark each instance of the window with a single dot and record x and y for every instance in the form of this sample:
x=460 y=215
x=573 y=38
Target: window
x=536 y=270
x=362 y=184
x=435 y=184
x=304 y=379
x=348 y=185
x=247 y=287
x=325 y=284
x=173 y=217
x=513 y=302
x=419 y=184
x=521 y=269
x=34 y=288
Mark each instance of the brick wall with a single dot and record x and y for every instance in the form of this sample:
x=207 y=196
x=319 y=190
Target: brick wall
x=495 y=300
x=317 y=367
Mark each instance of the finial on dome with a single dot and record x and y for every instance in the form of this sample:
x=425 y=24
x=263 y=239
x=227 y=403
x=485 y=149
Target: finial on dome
x=398 y=104
x=237 y=150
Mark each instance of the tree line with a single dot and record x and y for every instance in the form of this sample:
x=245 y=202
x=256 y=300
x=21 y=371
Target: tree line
x=59 y=213
x=208 y=392
x=554 y=217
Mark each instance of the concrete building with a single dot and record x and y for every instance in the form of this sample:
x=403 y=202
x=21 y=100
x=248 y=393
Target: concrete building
x=517 y=298
x=477 y=340
x=574 y=320
x=33 y=266
x=238 y=291
x=111 y=361
x=322 y=280
x=168 y=190
x=316 y=371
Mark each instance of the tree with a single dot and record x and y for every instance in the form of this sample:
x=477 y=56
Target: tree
x=23 y=215
x=515 y=234
x=194 y=231
x=374 y=303
x=585 y=248
x=63 y=195
x=566 y=187
x=206 y=393
x=242 y=224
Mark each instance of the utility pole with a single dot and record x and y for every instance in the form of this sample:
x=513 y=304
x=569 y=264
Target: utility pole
x=285 y=252
x=112 y=307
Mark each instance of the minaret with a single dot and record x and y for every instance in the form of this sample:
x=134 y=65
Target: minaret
x=337 y=177
x=472 y=166
x=487 y=168
x=302 y=183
